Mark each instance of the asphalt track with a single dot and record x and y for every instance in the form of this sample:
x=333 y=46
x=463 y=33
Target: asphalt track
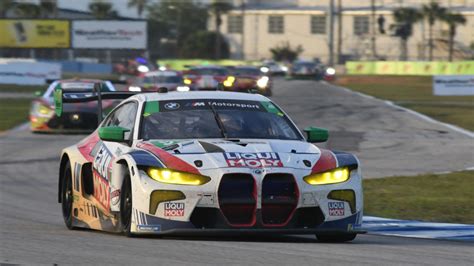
x=387 y=140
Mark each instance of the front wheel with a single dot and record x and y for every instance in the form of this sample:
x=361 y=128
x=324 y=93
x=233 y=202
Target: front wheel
x=67 y=197
x=336 y=238
x=126 y=205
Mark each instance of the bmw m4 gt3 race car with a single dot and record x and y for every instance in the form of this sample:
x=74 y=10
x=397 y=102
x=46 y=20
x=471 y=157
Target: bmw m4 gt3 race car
x=207 y=163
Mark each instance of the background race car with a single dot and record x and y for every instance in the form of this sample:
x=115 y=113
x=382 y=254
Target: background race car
x=206 y=77
x=208 y=162
x=153 y=80
x=76 y=117
x=248 y=79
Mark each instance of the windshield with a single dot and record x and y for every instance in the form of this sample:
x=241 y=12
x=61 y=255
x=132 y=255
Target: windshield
x=246 y=72
x=78 y=86
x=209 y=71
x=187 y=119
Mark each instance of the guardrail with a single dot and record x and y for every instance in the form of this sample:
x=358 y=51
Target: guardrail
x=410 y=68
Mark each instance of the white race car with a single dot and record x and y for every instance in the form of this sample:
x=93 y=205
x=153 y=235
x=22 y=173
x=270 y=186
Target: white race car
x=209 y=163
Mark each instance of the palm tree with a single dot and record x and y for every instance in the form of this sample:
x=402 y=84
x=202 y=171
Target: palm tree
x=5 y=5
x=453 y=20
x=101 y=9
x=433 y=11
x=49 y=8
x=139 y=4
x=405 y=17
x=218 y=8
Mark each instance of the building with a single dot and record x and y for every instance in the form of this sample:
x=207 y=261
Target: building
x=256 y=26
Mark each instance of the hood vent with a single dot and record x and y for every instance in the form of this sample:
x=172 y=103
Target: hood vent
x=208 y=147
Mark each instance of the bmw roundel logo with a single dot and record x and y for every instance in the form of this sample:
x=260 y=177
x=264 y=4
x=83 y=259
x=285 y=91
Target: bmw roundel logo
x=172 y=106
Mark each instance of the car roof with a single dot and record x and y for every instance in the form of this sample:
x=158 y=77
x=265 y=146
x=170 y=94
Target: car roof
x=80 y=80
x=166 y=73
x=190 y=95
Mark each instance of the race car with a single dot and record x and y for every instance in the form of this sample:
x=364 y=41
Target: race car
x=76 y=117
x=248 y=79
x=206 y=77
x=207 y=163
x=307 y=69
x=153 y=80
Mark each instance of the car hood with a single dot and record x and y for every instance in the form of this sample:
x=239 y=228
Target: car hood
x=249 y=153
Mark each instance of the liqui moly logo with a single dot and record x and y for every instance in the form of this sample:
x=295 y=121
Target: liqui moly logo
x=174 y=209
x=253 y=160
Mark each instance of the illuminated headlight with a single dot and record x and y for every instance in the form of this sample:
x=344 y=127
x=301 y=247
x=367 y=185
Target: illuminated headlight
x=262 y=82
x=187 y=81
x=335 y=176
x=42 y=110
x=284 y=68
x=178 y=178
x=229 y=81
x=264 y=69
x=143 y=69
x=134 y=88
x=330 y=71
x=162 y=68
x=182 y=88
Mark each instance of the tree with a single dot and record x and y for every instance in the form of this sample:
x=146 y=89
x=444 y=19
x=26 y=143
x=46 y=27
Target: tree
x=102 y=10
x=404 y=18
x=175 y=20
x=5 y=5
x=202 y=45
x=49 y=8
x=27 y=10
x=139 y=4
x=453 y=20
x=433 y=11
x=284 y=52
x=218 y=8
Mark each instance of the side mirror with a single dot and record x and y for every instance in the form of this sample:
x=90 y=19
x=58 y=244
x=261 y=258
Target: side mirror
x=316 y=134
x=113 y=133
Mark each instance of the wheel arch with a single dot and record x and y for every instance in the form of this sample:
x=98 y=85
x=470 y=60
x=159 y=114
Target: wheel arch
x=62 y=167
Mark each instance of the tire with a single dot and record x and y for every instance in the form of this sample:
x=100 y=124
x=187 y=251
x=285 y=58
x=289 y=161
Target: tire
x=126 y=206
x=67 y=197
x=335 y=238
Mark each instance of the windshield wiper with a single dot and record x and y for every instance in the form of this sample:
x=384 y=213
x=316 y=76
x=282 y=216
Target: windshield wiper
x=219 y=121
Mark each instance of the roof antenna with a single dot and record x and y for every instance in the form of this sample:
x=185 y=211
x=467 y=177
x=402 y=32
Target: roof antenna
x=162 y=90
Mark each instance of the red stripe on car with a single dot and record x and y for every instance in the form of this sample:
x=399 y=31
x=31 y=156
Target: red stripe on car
x=326 y=162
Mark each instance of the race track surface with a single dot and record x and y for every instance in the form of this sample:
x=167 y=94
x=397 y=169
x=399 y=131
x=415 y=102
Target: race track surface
x=387 y=141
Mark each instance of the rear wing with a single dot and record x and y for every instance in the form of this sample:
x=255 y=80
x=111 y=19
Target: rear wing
x=80 y=96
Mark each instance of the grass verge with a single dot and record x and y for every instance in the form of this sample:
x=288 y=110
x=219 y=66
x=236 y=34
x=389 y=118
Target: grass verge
x=13 y=112
x=431 y=197
x=415 y=92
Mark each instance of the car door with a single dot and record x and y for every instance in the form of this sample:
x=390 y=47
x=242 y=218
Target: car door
x=106 y=151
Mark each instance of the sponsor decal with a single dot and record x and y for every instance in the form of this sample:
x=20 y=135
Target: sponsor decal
x=197 y=104
x=101 y=190
x=102 y=162
x=336 y=208
x=253 y=160
x=115 y=196
x=172 y=106
x=149 y=228
x=174 y=209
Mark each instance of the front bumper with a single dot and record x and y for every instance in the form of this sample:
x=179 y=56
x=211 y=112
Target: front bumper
x=205 y=208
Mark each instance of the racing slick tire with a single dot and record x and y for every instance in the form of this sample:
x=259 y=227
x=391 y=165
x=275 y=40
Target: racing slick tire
x=126 y=206
x=67 y=197
x=336 y=238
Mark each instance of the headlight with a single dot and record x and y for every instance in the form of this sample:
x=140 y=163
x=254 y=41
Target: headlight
x=330 y=71
x=42 y=110
x=338 y=175
x=134 y=88
x=262 y=82
x=264 y=69
x=284 y=68
x=178 y=178
x=229 y=81
x=143 y=69
x=187 y=81
x=182 y=88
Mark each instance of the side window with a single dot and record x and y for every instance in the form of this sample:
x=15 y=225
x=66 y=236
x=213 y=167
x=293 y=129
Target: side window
x=124 y=116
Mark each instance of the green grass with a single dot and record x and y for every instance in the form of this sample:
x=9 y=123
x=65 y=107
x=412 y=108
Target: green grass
x=432 y=197
x=415 y=92
x=13 y=112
